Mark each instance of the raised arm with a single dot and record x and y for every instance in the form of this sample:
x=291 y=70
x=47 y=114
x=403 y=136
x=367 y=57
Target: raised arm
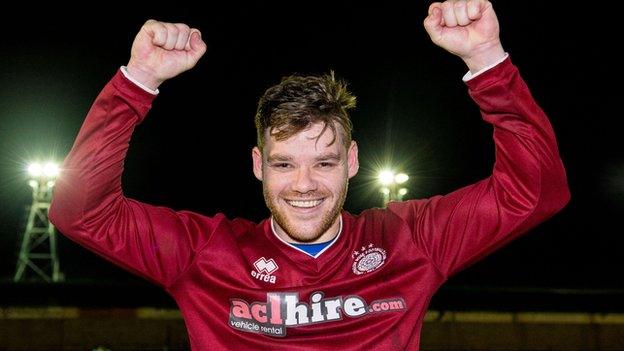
x=528 y=182
x=88 y=205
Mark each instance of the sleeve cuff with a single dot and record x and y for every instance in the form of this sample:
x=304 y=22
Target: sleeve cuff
x=468 y=76
x=124 y=70
x=137 y=97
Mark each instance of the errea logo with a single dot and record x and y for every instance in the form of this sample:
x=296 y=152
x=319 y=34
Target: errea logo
x=264 y=268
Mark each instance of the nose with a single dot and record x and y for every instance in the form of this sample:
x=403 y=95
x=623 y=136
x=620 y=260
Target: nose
x=304 y=181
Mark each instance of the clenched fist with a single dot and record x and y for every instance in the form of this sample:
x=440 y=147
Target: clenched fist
x=468 y=29
x=163 y=50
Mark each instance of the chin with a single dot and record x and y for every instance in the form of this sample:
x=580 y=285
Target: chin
x=305 y=233
x=304 y=226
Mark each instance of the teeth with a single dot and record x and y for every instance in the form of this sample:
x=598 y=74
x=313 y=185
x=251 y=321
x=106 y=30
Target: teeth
x=305 y=204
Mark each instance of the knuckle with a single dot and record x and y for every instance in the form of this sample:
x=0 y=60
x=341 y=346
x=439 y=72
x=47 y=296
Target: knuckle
x=182 y=27
x=172 y=29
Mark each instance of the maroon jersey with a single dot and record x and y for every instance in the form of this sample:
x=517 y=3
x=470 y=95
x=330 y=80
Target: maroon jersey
x=241 y=287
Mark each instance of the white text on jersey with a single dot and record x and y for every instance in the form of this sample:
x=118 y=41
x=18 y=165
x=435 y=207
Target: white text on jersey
x=283 y=310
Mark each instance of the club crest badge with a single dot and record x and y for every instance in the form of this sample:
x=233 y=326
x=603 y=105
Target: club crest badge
x=368 y=259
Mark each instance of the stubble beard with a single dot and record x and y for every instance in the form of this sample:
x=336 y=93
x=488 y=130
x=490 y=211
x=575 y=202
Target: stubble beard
x=297 y=235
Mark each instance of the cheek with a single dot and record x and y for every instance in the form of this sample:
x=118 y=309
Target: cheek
x=331 y=185
x=275 y=183
x=336 y=179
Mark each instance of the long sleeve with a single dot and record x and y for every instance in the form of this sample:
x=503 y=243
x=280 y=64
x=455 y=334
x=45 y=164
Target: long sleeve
x=90 y=208
x=527 y=185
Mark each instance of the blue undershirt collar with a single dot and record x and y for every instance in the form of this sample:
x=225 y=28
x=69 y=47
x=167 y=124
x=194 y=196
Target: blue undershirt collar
x=314 y=250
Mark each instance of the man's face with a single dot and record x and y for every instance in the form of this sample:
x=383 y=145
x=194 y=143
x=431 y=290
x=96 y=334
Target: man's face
x=304 y=181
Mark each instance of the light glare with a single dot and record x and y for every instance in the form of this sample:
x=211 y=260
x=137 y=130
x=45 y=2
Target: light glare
x=386 y=177
x=35 y=169
x=401 y=178
x=51 y=169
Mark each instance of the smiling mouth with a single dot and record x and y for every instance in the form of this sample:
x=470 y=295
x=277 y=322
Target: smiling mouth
x=304 y=203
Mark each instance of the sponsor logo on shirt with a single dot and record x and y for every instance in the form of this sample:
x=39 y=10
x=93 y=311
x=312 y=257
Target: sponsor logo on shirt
x=282 y=310
x=264 y=268
x=368 y=259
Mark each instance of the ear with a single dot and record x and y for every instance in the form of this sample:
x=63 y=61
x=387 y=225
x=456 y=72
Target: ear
x=256 y=156
x=352 y=159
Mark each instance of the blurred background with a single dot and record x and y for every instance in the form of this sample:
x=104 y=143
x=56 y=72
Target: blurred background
x=558 y=287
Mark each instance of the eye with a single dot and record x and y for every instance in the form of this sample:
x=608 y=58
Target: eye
x=326 y=164
x=281 y=165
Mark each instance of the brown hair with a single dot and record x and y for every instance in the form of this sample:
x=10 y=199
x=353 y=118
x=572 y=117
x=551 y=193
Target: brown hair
x=298 y=101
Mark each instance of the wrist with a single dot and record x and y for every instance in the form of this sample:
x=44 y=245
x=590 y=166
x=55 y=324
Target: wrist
x=484 y=57
x=143 y=76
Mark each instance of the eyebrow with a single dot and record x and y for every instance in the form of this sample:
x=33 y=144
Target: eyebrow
x=279 y=158
x=329 y=157
x=284 y=158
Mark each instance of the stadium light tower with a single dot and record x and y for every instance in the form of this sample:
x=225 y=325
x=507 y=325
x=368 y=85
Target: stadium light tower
x=391 y=188
x=38 y=249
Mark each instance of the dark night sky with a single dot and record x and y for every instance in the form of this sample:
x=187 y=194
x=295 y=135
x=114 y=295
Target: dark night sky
x=193 y=151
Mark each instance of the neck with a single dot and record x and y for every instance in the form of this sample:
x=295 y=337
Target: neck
x=329 y=234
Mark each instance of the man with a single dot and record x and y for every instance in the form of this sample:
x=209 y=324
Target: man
x=312 y=276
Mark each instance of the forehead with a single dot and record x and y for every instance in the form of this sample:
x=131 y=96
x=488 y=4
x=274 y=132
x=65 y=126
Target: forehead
x=306 y=143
